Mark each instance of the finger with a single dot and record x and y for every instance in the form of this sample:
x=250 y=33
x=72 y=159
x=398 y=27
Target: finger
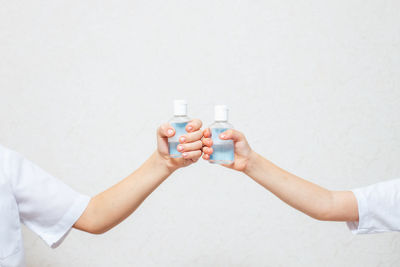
x=208 y=150
x=194 y=125
x=193 y=155
x=191 y=137
x=166 y=130
x=228 y=165
x=231 y=134
x=207 y=142
x=207 y=133
x=206 y=156
x=190 y=146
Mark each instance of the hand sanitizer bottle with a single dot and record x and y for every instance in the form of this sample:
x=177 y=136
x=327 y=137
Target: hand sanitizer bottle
x=179 y=122
x=223 y=151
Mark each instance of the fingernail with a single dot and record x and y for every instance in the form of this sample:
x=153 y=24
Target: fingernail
x=183 y=139
x=170 y=131
x=180 y=147
x=222 y=136
x=184 y=154
x=190 y=128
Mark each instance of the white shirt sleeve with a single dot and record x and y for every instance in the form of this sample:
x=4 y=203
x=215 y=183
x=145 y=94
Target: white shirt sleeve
x=46 y=205
x=378 y=208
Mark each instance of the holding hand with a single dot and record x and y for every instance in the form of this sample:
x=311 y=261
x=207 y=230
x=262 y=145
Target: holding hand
x=190 y=144
x=243 y=151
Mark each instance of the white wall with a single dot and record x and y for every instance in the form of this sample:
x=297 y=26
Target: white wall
x=315 y=86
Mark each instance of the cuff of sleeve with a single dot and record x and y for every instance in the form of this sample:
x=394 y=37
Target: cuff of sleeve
x=360 y=227
x=56 y=234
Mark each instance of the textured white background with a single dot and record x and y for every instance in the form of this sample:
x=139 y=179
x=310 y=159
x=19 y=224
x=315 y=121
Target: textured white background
x=315 y=85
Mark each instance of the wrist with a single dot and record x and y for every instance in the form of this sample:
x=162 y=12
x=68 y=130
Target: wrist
x=164 y=162
x=251 y=162
x=259 y=165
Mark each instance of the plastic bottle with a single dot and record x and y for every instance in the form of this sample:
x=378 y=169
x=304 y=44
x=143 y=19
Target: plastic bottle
x=179 y=122
x=223 y=150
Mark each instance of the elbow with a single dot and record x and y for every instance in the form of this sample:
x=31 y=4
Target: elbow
x=98 y=232
x=96 y=229
x=92 y=221
x=91 y=227
x=322 y=215
x=324 y=211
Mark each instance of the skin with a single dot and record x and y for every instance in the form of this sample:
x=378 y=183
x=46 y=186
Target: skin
x=309 y=198
x=112 y=206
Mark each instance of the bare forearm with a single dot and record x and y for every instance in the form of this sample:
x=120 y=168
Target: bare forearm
x=313 y=200
x=112 y=206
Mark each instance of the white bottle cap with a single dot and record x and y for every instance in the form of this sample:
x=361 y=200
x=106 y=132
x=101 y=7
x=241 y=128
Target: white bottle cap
x=180 y=108
x=221 y=113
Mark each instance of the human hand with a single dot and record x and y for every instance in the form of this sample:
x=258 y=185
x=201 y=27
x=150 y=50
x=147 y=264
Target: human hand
x=190 y=144
x=243 y=151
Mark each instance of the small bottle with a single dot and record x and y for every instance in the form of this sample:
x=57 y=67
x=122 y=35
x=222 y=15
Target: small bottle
x=223 y=150
x=179 y=122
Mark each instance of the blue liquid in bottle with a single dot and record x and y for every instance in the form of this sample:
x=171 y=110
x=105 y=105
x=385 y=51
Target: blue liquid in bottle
x=223 y=150
x=179 y=122
x=173 y=142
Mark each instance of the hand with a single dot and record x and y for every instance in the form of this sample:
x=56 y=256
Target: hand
x=190 y=144
x=243 y=151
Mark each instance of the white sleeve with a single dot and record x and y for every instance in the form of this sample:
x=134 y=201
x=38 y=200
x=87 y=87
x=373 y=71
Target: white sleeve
x=378 y=208
x=46 y=205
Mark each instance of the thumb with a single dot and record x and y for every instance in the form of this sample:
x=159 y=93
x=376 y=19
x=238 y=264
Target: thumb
x=232 y=134
x=165 y=131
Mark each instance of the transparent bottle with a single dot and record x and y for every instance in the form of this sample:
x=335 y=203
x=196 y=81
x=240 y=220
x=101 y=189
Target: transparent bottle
x=179 y=122
x=223 y=150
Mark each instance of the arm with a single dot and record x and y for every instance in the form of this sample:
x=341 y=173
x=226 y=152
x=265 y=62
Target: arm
x=309 y=198
x=112 y=206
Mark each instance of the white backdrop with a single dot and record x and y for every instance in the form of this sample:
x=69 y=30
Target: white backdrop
x=315 y=86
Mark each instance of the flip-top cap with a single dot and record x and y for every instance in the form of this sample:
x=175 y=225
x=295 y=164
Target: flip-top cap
x=180 y=107
x=221 y=113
